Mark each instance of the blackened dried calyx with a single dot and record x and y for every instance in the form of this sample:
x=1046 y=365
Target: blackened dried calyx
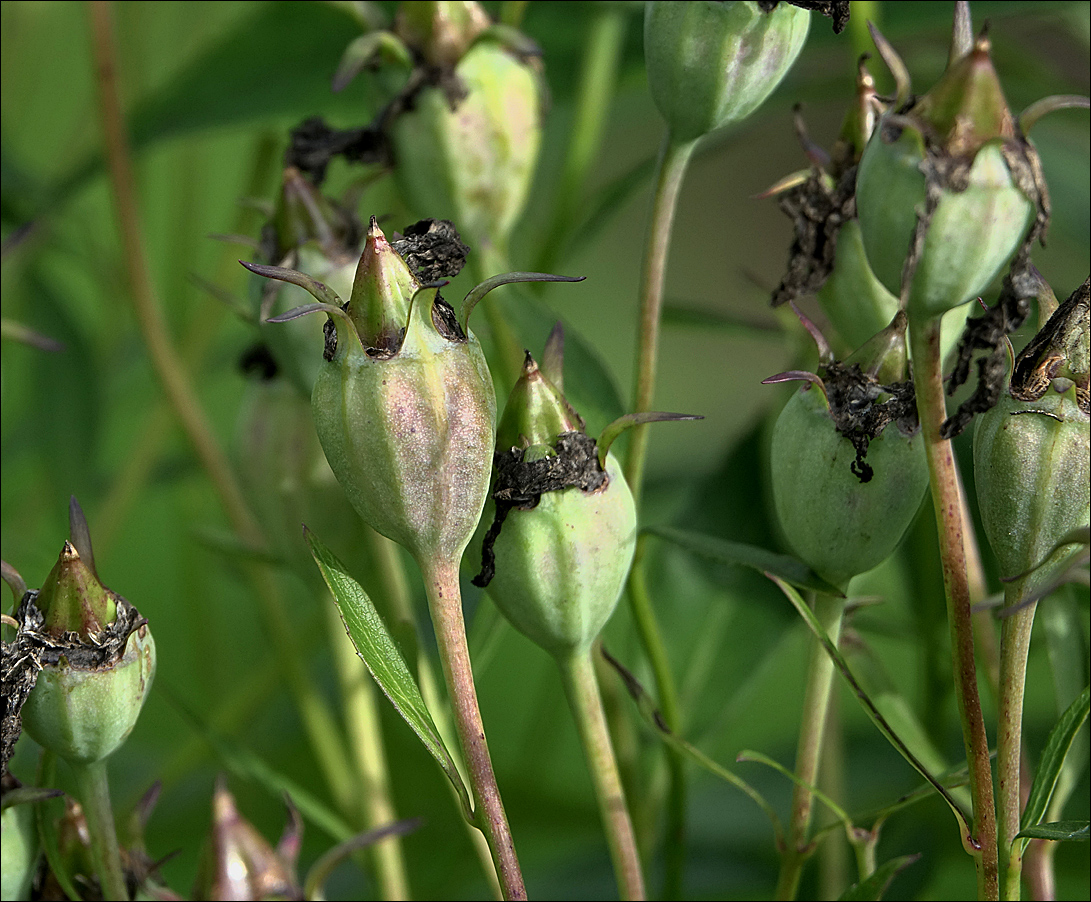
x=34 y=647
x=521 y=483
x=837 y=10
x=860 y=416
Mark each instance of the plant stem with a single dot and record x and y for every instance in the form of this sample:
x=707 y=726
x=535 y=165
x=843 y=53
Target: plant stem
x=94 y=789
x=582 y=689
x=648 y=629
x=445 y=604
x=671 y=169
x=398 y=612
x=924 y=342
x=829 y=611
x=1014 y=646
x=375 y=804
x=182 y=396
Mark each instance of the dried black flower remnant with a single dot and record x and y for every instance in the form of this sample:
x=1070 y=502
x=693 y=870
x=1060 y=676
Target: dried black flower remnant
x=520 y=484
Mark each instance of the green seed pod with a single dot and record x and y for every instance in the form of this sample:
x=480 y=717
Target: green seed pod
x=1032 y=462
x=841 y=514
x=405 y=410
x=568 y=524
x=98 y=661
x=1032 y=475
x=466 y=147
x=947 y=190
x=403 y=405
x=711 y=64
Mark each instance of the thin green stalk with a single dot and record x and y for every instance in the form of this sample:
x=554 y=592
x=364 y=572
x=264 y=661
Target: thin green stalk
x=582 y=689
x=829 y=611
x=93 y=785
x=671 y=169
x=318 y=722
x=924 y=343
x=394 y=583
x=375 y=803
x=598 y=79
x=445 y=604
x=651 y=636
x=1014 y=646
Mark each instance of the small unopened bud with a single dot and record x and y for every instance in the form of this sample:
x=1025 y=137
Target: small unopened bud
x=239 y=863
x=712 y=64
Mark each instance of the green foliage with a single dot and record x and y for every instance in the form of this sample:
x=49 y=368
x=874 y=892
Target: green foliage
x=210 y=92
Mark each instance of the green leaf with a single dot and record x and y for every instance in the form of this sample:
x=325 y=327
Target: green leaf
x=759 y=758
x=49 y=813
x=787 y=568
x=869 y=706
x=1053 y=757
x=384 y=660
x=245 y=764
x=879 y=882
x=1072 y=831
x=646 y=706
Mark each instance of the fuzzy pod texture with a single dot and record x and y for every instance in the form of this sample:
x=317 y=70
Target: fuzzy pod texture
x=410 y=436
x=836 y=524
x=711 y=64
x=1032 y=469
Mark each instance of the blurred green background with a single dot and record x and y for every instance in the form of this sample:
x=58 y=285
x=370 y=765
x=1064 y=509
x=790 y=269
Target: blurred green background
x=211 y=90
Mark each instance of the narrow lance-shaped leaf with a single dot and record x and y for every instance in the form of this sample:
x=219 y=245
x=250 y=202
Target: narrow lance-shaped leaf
x=380 y=654
x=1049 y=768
x=654 y=719
x=876 y=885
x=788 y=568
x=877 y=718
x=1061 y=831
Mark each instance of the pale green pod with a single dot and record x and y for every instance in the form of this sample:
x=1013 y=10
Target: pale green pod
x=836 y=524
x=410 y=436
x=711 y=64
x=472 y=161
x=972 y=235
x=84 y=715
x=1032 y=469
x=561 y=566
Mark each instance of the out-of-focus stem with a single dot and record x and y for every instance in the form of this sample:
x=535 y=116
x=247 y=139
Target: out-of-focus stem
x=670 y=171
x=318 y=721
x=924 y=342
x=829 y=611
x=445 y=603
x=94 y=789
x=1014 y=646
x=581 y=686
x=673 y=161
